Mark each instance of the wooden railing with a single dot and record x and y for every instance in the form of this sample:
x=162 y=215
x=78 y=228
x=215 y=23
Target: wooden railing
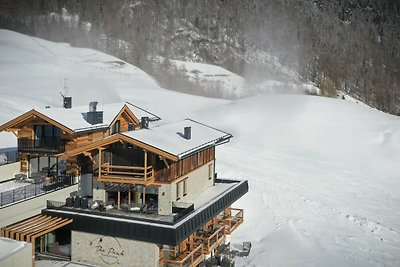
x=194 y=258
x=212 y=241
x=233 y=220
x=126 y=174
x=41 y=145
x=185 y=166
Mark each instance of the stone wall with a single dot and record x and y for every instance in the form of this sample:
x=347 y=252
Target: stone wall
x=198 y=181
x=103 y=250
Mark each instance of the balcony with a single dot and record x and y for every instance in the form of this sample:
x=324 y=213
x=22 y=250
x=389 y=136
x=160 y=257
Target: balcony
x=44 y=146
x=210 y=240
x=126 y=174
x=231 y=219
x=191 y=259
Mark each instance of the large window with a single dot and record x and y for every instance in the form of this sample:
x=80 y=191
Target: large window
x=46 y=135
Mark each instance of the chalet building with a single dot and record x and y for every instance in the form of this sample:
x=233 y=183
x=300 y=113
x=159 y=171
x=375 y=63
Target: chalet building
x=148 y=192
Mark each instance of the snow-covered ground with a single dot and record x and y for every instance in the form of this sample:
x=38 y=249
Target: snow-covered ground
x=323 y=173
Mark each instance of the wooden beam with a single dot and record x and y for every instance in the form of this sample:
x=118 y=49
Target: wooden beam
x=125 y=109
x=145 y=163
x=16 y=230
x=33 y=238
x=38 y=228
x=89 y=155
x=5 y=230
x=34 y=114
x=165 y=161
x=119 y=199
x=22 y=232
x=100 y=162
x=117 y=138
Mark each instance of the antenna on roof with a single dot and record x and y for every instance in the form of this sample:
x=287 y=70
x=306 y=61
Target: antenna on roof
x=65 y=86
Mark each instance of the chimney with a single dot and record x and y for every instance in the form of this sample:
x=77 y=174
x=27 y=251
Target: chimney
x=144 y=123
x=93 y=106
x=94 y=116
x=67 y=102
x=187 y=133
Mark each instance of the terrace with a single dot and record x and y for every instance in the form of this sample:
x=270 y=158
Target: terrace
x=154 y=228
x=186 y=258
x=231 y=219
x=210 y=239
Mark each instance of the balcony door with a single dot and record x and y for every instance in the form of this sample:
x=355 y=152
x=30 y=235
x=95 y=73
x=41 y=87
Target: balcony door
x=47 y=136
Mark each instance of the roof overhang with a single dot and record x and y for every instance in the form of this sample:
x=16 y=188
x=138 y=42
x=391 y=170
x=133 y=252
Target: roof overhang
x=120 y=138
x=31 y=228
x=33 y=114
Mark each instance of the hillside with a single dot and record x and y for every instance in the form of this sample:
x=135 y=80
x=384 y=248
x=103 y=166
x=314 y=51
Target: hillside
x=349 y=46
x=323 y=173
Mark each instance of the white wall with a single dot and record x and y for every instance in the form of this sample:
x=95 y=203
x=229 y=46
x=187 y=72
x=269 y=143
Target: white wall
x=8 y=171
x=86 y=185
x=21 y=257
x=103 y=250
x=197 y=182
x=33 y=206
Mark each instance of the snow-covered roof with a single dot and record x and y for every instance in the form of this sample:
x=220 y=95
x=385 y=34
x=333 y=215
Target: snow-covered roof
x=9 y=247
x=74 y=118
x=170 y=137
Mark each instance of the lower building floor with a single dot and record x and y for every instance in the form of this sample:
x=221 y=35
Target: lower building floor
x=54 y=237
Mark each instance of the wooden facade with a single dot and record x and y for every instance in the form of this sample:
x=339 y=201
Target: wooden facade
x=186 y=165
x=64 y=139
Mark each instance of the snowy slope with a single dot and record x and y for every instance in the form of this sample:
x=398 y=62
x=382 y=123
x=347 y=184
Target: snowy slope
x=324 y=180
x=218 y=81
x=323 y=173
x=213 y=78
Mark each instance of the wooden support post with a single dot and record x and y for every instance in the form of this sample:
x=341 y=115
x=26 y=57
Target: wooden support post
x=119 y=199
x=136 y=197
x=227 y=212
x=145 y=164
x=100 y=161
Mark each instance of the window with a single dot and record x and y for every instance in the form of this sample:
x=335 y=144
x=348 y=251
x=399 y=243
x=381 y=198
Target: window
x=131 y=127
x=177 y=191
x=115 y=128
x=46 y=135
x=185 y=187
x=210 y=171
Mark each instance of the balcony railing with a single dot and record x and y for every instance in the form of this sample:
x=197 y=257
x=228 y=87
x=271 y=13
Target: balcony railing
x=232 y=220
x=211 y=240
x=36 y=189
x=41 y=145
x=194 y=258
x=126 y=174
